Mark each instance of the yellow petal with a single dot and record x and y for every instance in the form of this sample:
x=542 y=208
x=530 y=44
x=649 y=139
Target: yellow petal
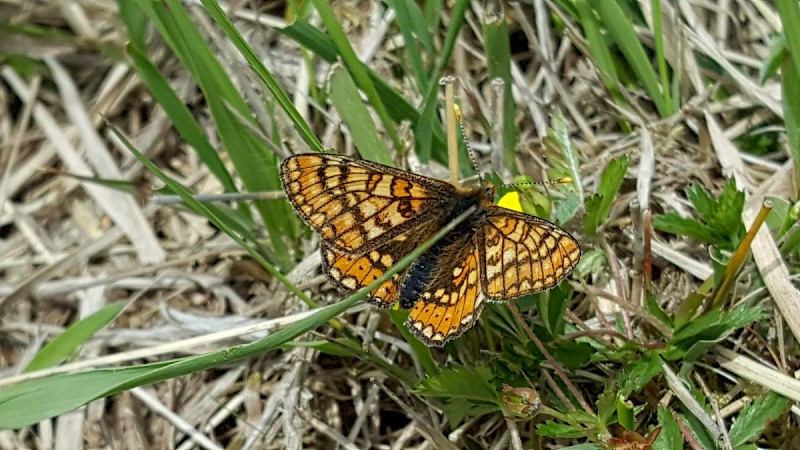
x=510 y=201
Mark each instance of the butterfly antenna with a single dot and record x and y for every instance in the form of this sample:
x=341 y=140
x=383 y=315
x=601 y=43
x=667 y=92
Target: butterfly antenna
x=562 y=180
x=460 y=119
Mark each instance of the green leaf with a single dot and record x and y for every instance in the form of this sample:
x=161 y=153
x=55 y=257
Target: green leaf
x=182 y=119
x=721 y=222
x=620 y=28
x=599 y=205
x=255 y=163
x=356 y=68
x=652 y=306
x=725 y=217
x=471 y=383
x=790 y=101
x=135 y=22
x=755 y=417
x=73 y=337
x=776 y=57
x=591 y=262
x=397 y=105
x=574 y=355
x=701 y=200
x=567 y=207
x=551 y=306
x=698 y=431
x=564 y=162
x=638 y=373
x=599 y=46
x=428 y=124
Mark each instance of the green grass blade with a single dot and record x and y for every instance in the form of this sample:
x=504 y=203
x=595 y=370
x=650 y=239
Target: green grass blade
x=428 y=123
x=396 y=105
x=598 y=206
x=269 y=81
x=498 y=55
x=661 y=59
x=790 y=85
x=357 y=69
x=346 y=99
x=255 y=163
x=408 y=20
x=599 y=46
x=621 y=30
x=135 y=22
x=63 y=345
x=181 y=117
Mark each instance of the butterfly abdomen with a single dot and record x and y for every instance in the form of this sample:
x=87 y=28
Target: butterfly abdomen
x=423 y=270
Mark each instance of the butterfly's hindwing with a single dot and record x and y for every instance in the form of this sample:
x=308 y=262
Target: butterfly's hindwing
x=352 y=273
x=444 y=291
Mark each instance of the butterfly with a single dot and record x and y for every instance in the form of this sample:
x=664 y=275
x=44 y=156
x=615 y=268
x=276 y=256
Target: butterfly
x=370 y=216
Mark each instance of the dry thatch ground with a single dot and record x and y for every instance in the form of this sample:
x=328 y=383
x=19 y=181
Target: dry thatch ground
x=69 y=246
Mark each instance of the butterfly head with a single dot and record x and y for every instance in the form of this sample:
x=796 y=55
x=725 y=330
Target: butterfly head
x=487 y=192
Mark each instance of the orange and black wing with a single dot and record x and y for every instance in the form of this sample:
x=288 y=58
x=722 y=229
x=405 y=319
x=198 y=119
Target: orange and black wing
x=357 y=205
x=352 y=273
x=449 y=297
x=523 y=254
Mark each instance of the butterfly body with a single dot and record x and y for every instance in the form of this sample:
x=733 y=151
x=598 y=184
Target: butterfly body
x=370 y=216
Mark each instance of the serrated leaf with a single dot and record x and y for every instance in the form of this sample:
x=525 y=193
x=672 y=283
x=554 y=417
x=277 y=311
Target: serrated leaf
x=670 y=437
x=472 y=383
x=558 y=430
x=755 y=417
x=567 y=207
x=700 y=334
x=460 y=409
x=726 y=218
x=685 y=226
x=599 y=205
x=700 y=199
x=467 y=390
x=606 y=407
